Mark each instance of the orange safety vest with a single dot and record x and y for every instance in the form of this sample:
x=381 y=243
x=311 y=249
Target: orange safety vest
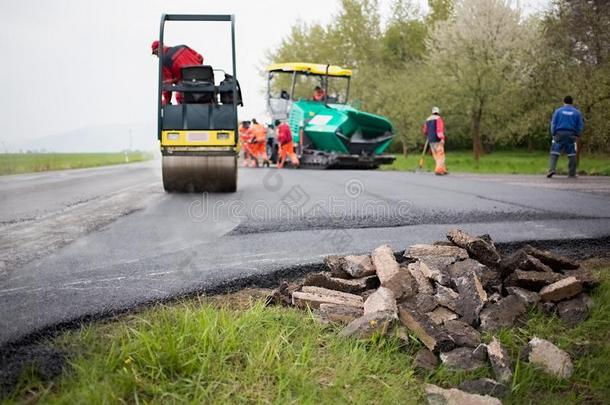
x=259 y=132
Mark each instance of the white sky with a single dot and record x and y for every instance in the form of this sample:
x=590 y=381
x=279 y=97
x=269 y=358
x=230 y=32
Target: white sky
x=69 y=64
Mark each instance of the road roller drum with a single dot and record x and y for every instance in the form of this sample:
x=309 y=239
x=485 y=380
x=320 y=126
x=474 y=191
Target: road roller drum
x=196 y=174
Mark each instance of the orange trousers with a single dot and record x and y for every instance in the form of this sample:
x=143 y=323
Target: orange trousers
x=257 y=150
x=438 y=153
x=287 y=150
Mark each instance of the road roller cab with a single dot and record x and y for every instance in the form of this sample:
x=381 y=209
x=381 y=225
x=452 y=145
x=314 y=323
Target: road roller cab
x=198 y=138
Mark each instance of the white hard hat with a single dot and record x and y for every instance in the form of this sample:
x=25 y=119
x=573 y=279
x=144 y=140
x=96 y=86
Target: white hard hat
x=436 y=110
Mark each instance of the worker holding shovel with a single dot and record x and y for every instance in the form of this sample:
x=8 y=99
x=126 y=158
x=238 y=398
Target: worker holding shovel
x=434 y=130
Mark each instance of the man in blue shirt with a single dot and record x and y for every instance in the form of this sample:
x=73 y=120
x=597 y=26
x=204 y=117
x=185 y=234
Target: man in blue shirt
x=566 y=127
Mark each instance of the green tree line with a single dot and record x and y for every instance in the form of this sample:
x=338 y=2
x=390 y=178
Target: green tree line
x=496 y=74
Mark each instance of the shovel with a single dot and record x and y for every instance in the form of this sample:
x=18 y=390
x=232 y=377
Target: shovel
x=421 y=159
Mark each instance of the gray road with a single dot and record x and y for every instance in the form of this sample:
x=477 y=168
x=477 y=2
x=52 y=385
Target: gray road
x=85 y=242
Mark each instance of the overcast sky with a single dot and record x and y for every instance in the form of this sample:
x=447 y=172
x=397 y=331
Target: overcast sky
x=69 y=64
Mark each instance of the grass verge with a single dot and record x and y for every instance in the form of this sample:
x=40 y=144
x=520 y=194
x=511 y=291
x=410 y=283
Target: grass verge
x=230 y=349
x=15 y=163
x=504 y=162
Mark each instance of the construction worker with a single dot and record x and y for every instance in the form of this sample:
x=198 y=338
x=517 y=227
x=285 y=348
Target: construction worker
x=318 y=94
x=434 y=130
x=566 y=127
x=258 y=145
x=284 y=137
x=174 y=59
x=245 y=138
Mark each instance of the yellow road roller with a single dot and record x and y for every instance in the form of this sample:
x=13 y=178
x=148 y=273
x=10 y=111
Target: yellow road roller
x=198 y=136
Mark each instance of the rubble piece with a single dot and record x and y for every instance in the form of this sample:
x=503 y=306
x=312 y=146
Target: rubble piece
x=439 y=396
x=448 y=298
x=532 y=280
x=561 y=290
x=575 y=310
x=391 y=275
x=312 y=297
x=423 y=302
x=528 y=297
x=352 y=286
x=425 y=360
x=442 y=243
x=548 y=308
x=417 y=251
x=367 y=293
x=441 y=314
x=368 y=325
x=335 y=264
x=280 y=296
x=436 y=268
x=461 y=359
x=551 y=358
x=556 y=262
x=502 y=314
x=491 y=280
x=487 y=238
x=358 y=266
x=433 y=337
x=522 y=261
x=586 y=277
x=493 y=298
x=472 y=297
x=381 y=300
x=424 y=286
x=462 y=333
x=500 y=361
x=485 y=386
x=343 y=314
x=480 y=352
x=477 y=248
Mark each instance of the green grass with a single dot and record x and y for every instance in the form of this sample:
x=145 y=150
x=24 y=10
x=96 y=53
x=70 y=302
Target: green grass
x=504 y=162
x=14 y=163
x=201 y=352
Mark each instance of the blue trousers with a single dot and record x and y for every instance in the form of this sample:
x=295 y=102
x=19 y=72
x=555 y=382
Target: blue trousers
x=564 y=141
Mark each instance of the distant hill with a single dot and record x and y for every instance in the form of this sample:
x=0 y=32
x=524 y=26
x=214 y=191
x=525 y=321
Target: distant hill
x=107 y=138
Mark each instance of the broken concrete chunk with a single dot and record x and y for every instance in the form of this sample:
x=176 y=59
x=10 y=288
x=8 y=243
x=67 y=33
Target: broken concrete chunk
x=425 y=360
x=462 y=333
x=433 y=337
x=439 y=396
x=500 y=361
x=335 y=264
x=522 y=261
x=391 y=275
x=575 y=310
x=352 y=286
x=424 y=286
x=561 y=290
x=422 y=302
x=447 y=297
x=358 y=266
x=485 y=386
x=585 y=277
x=381 y=300
x=490 y=279
x=436 y=268
x=556 y=262
x=477 y=248
x=472 y=297
x=532 y=280
x=441 y=314
x=368 y=325
x=528 y=297
x=312 y=297
x=502 y=314
x=551 y=358
x=455 y=252
x=487 y=238
x=548 y=308
x=493 y=298
x=283 y=294
x=333 y=313
x=461 y=359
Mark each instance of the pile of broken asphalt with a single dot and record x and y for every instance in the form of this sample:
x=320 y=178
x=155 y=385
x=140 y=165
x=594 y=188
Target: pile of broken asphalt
x=447 y=295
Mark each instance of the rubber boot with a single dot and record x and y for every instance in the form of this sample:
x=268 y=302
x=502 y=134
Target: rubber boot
x=552 y=165
x=572 y=166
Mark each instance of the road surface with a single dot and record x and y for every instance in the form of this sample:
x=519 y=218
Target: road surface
x=87 y=242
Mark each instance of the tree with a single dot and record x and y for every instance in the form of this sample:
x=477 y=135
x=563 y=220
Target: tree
x=477 y=57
